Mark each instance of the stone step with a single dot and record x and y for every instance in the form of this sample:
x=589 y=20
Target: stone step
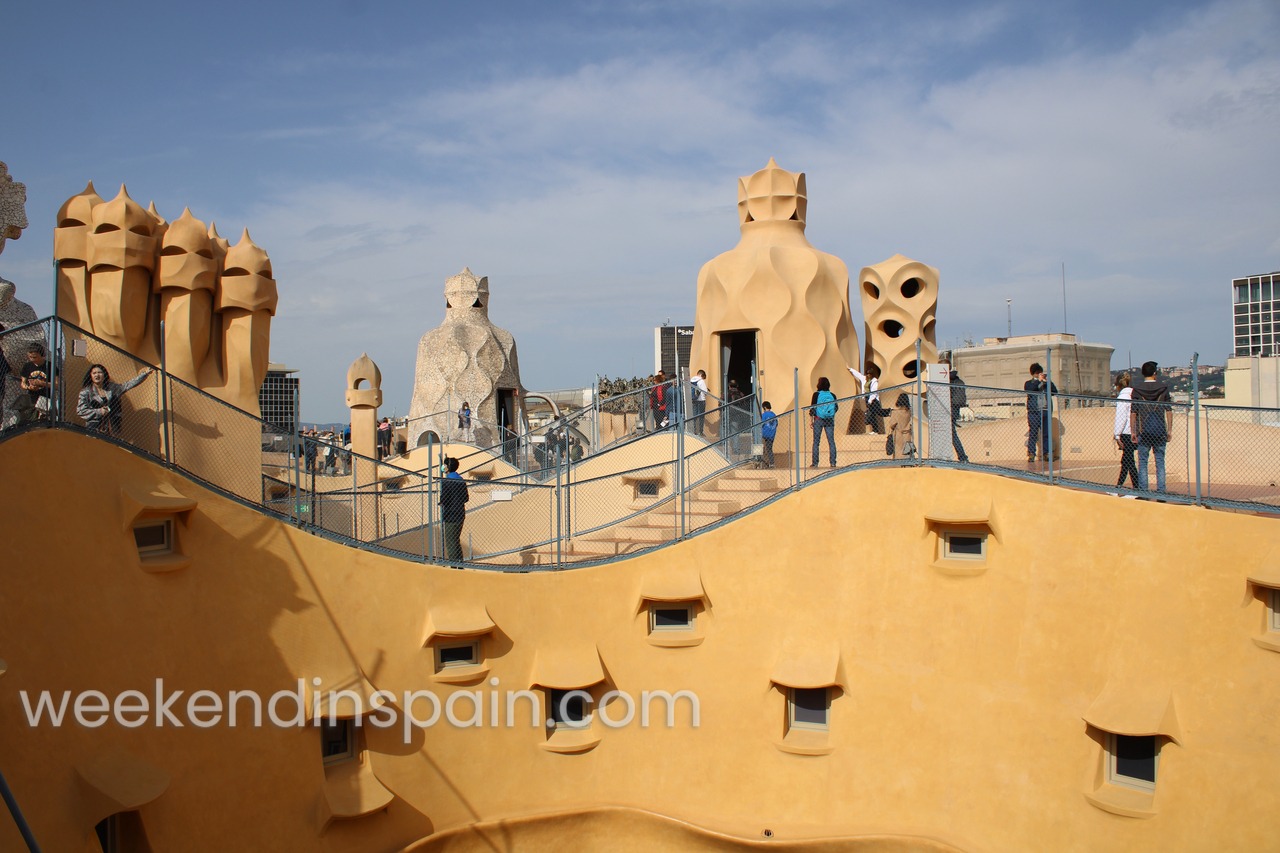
x=729 y=483
x=647 y=534
x=694 y=509
x=580 y=549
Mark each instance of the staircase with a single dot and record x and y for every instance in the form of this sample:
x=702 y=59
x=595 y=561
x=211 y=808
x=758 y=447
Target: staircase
x=732 y=492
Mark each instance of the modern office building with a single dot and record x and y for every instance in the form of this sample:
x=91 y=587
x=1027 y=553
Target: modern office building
x=278 y=397
x=1252 y=298
x=671 y=346
x=1253 y=369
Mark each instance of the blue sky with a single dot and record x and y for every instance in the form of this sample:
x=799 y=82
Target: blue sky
x=584 y=156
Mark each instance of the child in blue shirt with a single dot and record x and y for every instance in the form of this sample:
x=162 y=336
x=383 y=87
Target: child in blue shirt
x=768 y=432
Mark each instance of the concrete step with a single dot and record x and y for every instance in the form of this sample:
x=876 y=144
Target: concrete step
x=665 y=515
x=645 y=533
x=580 y=549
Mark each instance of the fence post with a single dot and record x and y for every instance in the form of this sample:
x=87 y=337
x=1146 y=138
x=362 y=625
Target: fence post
x=295 y=446
x=919 y=405
x=1047 y=427
x=166 y=426
x=559 y=520
x=1195 y=403
x=55 y=398
x=20 y=821
x=678 y=397
x=429 y=517
x=795 y=426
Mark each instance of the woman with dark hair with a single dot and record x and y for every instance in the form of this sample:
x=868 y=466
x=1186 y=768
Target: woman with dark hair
x=1124 y=431
x=901 y=443
x=870 y=382
x=822 y=411
x=99 y=402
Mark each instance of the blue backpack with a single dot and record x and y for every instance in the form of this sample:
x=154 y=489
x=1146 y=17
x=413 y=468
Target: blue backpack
x=827 y=405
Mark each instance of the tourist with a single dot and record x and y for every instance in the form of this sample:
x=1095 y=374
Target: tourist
x=1151 y=421
x=1038 y=412
x=900 y=442
x=870 y=383
x=959 y=399
x=658 y=401
x=384 y=439
x=1124 y=431
x=699 y=392
x=35 y=380
x=311 y=448
x=100 y=399
x=768 y=432
x=453 y=509
x=822 y=412
x=464 y=423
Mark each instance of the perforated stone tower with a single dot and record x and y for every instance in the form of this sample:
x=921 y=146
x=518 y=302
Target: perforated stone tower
x=899 y=303
x=466 y=358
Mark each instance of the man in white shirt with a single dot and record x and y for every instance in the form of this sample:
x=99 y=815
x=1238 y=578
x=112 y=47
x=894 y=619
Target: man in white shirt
x=699 y=383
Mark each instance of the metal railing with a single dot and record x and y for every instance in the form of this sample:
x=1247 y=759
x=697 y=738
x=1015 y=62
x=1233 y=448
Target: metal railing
x=539 y=505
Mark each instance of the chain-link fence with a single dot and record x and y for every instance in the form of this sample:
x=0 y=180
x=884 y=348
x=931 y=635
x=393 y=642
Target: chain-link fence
x=545 y=499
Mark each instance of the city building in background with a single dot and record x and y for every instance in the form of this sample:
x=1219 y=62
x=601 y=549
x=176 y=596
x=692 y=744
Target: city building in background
x=1254 y=326
x=1253 y=370
x=1075 y=367
x=671 y=346
x=278 y=397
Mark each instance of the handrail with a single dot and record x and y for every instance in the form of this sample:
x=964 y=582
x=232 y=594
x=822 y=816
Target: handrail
x=372 y=512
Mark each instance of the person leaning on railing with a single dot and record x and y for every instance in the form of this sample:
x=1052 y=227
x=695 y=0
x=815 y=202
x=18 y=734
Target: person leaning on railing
x=100 y=399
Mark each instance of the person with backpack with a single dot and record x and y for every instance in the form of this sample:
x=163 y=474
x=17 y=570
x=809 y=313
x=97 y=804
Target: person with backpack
x=1151 y=422
x=822 y=411
x=768 y=432
x=658 y=401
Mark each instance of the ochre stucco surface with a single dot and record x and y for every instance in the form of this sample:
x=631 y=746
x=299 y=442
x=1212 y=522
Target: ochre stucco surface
x=959 y=716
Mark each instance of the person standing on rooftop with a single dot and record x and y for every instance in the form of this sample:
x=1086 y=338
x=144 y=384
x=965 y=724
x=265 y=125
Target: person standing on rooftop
x=1151 y=422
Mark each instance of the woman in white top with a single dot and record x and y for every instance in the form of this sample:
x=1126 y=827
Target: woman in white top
x=872 y=389
x=1123 y=431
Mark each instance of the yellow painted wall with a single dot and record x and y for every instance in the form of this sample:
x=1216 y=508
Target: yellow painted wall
x=962 y=721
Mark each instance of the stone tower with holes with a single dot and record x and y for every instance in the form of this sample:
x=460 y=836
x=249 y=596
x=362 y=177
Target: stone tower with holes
x=899 y=303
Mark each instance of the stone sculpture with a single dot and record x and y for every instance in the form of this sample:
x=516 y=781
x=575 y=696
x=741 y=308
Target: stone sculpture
x=364 y=402
x=899 y=304
x=13 y=207
x=123 y=269
x=13 y=311
x=776 y=284
x=466 y=358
